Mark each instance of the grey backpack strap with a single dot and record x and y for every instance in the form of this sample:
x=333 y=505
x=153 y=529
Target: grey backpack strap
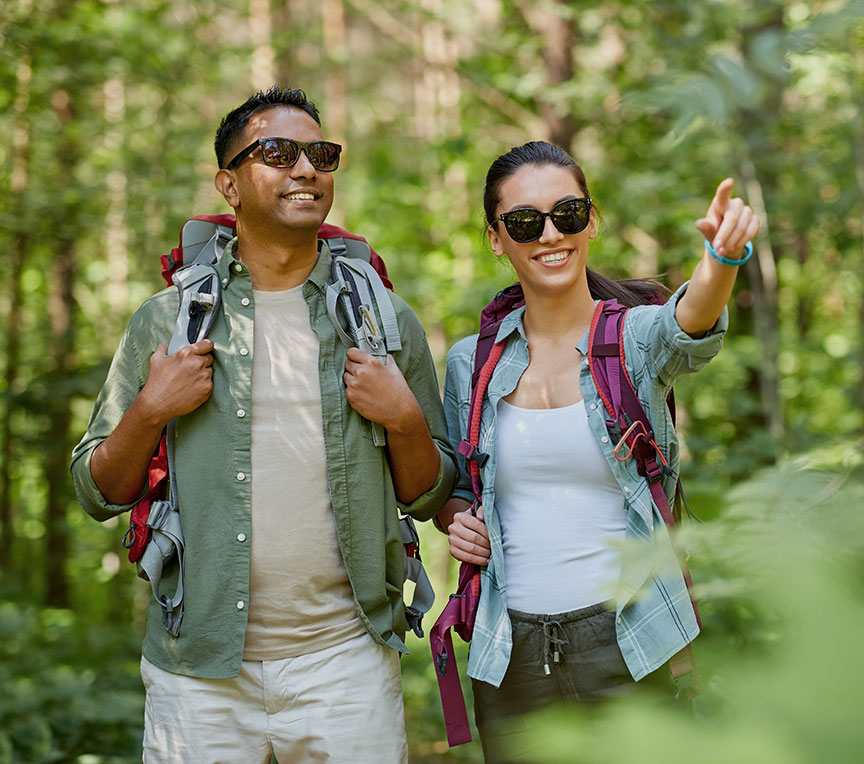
x=166 y=543
x=352 y=289
x=200 y=297
x=424 y=595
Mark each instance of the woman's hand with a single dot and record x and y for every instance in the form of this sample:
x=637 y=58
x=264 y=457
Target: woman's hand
x=729 y=223
x=469 y=538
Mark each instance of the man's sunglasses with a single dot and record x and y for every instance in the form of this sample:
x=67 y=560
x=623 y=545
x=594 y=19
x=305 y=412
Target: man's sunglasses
x=284 y=152
x=569 y=216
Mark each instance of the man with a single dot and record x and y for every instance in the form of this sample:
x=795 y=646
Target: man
x=294 y=566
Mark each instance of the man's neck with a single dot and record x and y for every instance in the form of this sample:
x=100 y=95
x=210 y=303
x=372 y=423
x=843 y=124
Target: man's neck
x=275 y=265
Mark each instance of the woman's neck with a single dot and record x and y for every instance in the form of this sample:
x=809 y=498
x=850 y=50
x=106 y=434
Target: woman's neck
x=561 y=316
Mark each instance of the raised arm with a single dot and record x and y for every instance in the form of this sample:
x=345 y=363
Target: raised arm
x=728 y=226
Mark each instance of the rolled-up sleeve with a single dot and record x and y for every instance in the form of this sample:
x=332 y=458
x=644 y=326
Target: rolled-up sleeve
x=126 y=377
x=652 y=333
x=457 y=392
x=423 y=381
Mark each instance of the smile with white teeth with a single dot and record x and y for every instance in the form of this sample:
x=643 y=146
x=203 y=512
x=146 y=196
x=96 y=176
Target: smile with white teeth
x=300 y=195
x=555 y=257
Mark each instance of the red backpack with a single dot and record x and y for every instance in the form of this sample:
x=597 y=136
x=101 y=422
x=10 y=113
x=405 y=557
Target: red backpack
x=628 y=426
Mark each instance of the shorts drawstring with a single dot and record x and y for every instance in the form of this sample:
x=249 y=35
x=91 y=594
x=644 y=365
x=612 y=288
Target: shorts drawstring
x=554 y=639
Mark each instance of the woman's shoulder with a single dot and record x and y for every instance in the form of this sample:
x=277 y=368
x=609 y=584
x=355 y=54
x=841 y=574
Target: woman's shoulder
x=463 y=350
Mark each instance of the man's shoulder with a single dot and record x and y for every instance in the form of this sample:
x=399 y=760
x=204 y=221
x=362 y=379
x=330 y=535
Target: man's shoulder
x=156 y=313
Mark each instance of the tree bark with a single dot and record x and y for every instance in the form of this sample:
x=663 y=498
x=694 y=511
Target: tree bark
x=19 y=247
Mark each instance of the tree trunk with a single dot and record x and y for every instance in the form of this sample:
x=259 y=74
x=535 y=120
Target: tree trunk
x=61 y=313
x=559 y=32
x=19 y=247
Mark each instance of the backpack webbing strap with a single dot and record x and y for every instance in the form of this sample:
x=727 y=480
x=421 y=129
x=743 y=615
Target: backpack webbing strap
x=460 y=610
x=469 y=448
x=424 y=594
x=166 y=543
x=629 y=423
x=454 y=616
x=354 y=284
x=200 y=297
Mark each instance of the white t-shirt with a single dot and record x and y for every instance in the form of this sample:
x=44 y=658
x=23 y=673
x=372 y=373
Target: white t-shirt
x=300 y=597
x=560 y=509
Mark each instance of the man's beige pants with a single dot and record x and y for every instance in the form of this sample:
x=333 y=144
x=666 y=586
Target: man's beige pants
x=342 y=704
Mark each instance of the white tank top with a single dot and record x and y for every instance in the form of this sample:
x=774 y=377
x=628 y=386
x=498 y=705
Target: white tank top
x=560 y=510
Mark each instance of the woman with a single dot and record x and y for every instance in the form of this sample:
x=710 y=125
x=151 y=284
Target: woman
x=555 y=500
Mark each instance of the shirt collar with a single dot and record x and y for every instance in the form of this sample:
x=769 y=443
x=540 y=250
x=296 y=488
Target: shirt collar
x=319 y=276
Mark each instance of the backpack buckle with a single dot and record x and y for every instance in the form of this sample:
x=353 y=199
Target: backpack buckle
x=472 y=453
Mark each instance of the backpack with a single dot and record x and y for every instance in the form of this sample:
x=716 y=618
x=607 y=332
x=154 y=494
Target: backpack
x=155 y=537
x=628 y=426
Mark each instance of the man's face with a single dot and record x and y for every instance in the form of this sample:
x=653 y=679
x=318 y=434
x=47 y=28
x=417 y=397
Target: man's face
x=264 y=196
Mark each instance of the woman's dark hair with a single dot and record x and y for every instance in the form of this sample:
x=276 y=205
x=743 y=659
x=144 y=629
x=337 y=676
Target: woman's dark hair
x=628 y=292
x=235 y=121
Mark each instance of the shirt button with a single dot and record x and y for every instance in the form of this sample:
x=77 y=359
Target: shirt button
x=225 y=282
x=626 y=490
x=241 y=413
x=245 y=302
x=241 y=537
x=241 y=605
x=241 y=475
x=604 y=439
x=244 y=351
x=237 y=267
x=618 y=619
x=593 y=406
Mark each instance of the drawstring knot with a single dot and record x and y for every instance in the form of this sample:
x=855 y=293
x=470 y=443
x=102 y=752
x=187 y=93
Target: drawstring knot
x=554 y=640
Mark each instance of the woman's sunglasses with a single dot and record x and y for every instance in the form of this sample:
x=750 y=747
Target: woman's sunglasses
x=569 y=216
x=284 y=152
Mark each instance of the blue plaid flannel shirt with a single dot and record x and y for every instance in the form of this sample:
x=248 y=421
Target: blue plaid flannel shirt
x=654 y=616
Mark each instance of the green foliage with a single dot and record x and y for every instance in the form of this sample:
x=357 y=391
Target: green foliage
x=109 y=109
x=782 y=611
x=70 y=688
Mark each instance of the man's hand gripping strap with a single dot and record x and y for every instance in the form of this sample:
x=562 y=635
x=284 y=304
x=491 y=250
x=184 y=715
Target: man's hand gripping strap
x=200 y=298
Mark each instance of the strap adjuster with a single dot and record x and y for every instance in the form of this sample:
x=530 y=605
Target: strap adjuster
x=472 y=453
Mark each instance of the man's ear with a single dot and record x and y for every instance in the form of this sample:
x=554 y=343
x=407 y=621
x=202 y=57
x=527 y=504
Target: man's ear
x=224 y=182
x=494 y=241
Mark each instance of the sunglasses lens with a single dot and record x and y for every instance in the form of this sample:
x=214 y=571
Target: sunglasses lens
x=280 y=152
x=523 y=225
x=570 y=216
x=324 y=155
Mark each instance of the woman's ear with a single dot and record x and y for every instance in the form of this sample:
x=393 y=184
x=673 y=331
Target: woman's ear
x=494 y=241
x=224 y=182
x=592 y=225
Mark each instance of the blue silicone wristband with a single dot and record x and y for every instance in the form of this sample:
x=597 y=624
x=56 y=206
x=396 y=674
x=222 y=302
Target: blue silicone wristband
x=748 y=248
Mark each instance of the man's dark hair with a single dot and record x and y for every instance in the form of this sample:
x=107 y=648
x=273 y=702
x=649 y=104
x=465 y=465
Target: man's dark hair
x=235 y=121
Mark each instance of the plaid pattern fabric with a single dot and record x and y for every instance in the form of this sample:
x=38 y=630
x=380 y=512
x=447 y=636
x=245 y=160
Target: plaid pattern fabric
x=654 y=618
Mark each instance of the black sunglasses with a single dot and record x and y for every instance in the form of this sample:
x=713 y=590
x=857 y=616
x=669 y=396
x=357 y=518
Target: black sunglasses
x=284 y=152
x=569 y=216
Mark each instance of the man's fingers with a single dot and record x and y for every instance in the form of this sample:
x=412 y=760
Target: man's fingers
x=201 y=347
x=357 y=355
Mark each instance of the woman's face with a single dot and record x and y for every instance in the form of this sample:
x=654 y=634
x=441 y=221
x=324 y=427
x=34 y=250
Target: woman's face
x=555 y=261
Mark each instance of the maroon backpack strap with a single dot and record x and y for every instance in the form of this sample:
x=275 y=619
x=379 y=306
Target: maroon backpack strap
x=627 y=421
x=460 y=611
x=458 y=614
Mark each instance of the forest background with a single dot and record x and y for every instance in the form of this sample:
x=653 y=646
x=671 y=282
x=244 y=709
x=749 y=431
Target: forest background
x=107 y=112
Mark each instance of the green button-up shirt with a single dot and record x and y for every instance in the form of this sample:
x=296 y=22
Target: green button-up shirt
x=213 y=468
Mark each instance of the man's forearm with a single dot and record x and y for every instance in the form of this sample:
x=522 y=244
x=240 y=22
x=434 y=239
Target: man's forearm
x=414 y=458
x=120 y=462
